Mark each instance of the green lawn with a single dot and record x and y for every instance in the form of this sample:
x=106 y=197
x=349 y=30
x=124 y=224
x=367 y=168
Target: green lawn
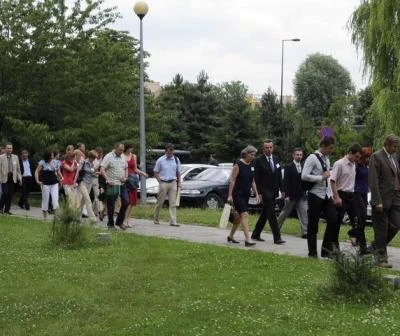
x=147 y=286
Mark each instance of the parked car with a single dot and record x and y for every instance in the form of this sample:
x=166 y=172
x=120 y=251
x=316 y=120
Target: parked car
x=188 y=171
x=208 y=189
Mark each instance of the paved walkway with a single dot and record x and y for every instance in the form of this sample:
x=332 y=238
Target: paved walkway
x=207 y=235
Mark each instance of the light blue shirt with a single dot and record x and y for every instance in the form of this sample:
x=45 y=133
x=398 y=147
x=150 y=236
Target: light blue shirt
x=167 y=167
x=27 y=168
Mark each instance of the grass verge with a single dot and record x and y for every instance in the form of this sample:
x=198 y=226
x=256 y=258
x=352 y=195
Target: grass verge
x=138 y=285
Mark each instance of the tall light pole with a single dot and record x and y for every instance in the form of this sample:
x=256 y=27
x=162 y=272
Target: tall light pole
x=283 y=43
x=141 y=10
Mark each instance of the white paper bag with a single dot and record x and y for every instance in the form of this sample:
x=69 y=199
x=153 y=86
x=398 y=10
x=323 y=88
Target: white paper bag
x=223 y=222
x=178 y=197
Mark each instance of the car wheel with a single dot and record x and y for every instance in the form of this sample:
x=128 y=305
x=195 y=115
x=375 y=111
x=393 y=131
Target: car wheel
x=213 y=201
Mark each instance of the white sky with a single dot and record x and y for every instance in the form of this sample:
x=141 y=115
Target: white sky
x=241 y=40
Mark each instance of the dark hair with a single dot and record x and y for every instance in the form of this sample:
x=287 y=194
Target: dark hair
x=297 y=149
x=327 y=141
x=47 y=156
x=268 y=141
x=355 y=148
x=169 y=146
x=99 y=149
x=127 y=145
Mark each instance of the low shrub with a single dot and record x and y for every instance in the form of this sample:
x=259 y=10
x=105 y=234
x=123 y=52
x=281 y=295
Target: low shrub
x=356 y=277
x=67 y=229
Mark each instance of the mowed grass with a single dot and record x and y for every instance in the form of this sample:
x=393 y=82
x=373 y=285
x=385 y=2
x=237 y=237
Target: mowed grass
x=138 y=285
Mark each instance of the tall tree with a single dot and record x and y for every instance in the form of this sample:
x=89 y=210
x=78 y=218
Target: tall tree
x=199 y=114
x=318 y=81
x=236 y=122
x=61 y=67
x=375 y=31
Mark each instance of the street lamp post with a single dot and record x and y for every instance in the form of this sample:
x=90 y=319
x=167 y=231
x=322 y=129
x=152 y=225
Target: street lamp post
x=141 y=10
x=283 y=43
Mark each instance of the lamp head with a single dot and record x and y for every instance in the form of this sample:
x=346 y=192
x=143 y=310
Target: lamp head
x=141 y=8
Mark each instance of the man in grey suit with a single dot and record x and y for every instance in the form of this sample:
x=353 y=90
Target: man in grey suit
x=384 y=177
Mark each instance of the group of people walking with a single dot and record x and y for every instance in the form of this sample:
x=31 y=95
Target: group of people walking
x=310 y=186
x=316 y=190
x=90 y=182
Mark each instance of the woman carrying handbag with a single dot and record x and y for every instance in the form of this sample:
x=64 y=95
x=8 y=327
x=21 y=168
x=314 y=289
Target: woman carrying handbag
x=242 y=180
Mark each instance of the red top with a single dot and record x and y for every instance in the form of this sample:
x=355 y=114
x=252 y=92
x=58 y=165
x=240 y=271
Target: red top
x=132 y=165
x=68 y=175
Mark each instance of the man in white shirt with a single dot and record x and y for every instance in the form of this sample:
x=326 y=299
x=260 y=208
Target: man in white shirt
x=26 y=168
x=295 y=196
x=114 y=169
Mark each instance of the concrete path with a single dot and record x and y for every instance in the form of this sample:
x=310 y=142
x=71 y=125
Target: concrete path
x=206 y=235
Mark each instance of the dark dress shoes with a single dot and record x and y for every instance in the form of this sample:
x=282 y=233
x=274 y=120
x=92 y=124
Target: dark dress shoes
x=248 y=244
x=279 y=242
x=258 y=238
x=231 y=240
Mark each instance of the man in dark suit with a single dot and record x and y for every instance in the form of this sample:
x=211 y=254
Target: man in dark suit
x=26 y=168
x=268 y=177
x=295 y=196
x=384 y=177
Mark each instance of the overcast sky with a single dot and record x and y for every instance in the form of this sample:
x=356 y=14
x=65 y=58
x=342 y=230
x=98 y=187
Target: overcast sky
x=241 y=40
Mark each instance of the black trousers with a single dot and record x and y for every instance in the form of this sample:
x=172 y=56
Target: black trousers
x=354 y=205
x=268 y=212
x=316 y=206
x=123 y=194
x=7 y=193
x=27 y=183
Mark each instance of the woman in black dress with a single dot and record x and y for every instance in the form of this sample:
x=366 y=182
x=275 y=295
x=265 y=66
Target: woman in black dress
x=242 y=181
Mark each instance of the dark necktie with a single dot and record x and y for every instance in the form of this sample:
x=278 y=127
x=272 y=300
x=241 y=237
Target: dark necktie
x=271 y=163
x=9 y=164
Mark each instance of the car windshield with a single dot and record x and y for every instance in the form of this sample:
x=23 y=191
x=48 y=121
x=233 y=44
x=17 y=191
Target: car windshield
x=217 y=175
x=184 y=169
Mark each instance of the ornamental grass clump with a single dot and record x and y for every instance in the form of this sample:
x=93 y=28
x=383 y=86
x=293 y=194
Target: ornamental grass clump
x=356 y=277
x=67 y=229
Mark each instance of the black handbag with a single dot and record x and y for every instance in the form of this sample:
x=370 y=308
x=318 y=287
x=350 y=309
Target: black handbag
x=132 y=182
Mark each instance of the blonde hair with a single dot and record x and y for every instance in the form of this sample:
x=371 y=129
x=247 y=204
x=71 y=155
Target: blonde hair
x=70 y=148
x=92 y=154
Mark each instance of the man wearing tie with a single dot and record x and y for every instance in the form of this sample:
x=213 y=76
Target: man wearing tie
x=268 y=177
x=25 y=166
x=9 y=175
x=295 y=196
x=385 y=196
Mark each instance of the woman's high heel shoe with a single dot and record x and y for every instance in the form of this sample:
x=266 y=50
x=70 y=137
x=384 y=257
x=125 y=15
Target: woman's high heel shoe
x=231 y=240
x=248 y=244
